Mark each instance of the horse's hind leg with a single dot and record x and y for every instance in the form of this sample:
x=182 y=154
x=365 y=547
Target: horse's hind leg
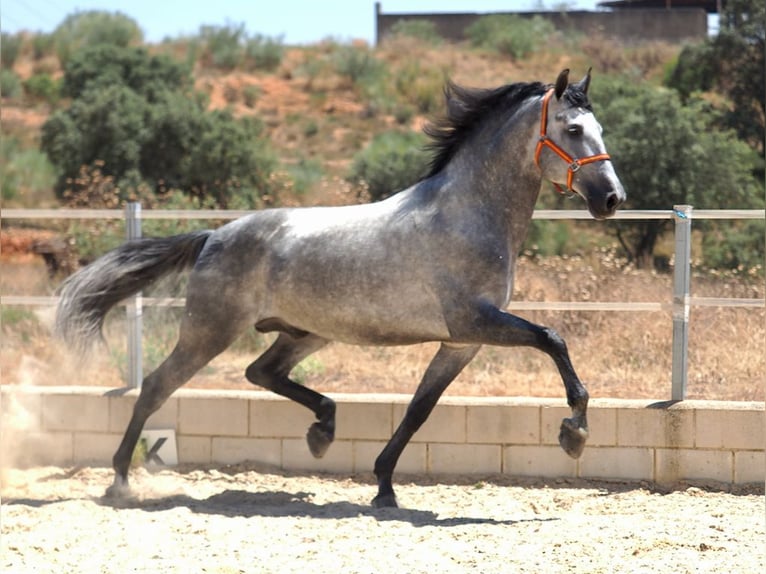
x=196 y=346
x=271 y=371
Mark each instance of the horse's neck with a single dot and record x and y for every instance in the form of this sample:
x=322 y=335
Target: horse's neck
x=496 y=179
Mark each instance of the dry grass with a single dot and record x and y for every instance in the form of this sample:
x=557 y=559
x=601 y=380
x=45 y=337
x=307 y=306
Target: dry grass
x=617 y=354
x=624 y=355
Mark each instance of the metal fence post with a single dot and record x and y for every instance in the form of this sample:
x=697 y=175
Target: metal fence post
x=682 y=270
x=135 y=306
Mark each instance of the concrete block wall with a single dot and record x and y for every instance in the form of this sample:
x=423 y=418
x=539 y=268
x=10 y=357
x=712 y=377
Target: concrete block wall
x=674 y=26
x=631 y=440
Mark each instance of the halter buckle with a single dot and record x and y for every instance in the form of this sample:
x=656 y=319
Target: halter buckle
x=575 y=166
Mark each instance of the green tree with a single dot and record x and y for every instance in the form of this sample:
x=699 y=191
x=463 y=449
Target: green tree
x=104 y=65
x=102 y=125
x=732 y=64
x=92 y=27
x=134 y=117
x=666 y=154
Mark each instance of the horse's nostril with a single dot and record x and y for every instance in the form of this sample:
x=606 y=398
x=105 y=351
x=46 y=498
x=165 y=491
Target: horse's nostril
x=613 y=201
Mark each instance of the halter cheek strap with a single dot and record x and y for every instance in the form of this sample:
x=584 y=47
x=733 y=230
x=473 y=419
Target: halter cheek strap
x=574 y=163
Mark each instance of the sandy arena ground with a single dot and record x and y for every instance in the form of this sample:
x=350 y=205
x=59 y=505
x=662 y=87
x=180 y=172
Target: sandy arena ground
x=236 y=519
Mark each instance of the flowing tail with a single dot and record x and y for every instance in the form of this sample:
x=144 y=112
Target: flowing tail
x=88 y=295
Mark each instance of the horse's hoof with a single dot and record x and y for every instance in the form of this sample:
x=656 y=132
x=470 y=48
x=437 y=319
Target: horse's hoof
x=119 y=489
x=385 y=501
x=572 y=437
x=319 y=440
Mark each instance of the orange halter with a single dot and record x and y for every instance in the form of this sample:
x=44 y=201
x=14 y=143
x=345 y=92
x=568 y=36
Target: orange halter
x=545 y=141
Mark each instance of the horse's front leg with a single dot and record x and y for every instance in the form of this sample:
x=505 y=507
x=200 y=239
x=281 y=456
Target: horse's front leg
x=442 y=370
x=492 y=326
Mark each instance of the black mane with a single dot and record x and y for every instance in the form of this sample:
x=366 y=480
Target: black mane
x=467 y=107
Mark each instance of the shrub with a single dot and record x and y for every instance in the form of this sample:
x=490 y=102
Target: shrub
x=92 y=27
x=105 y=124
x=230 y=162
x=357 y=64
x=606 y=54
x=421 y=87
x=310 y=129
x=510 y=35
x=546 y=238
x=28 y=176
x=143 y=129
x=42 y=45
x=733 y=245
x=423 y=30
x=263 y=53
x=250 y=95
x=305 y=174
x=10 y=46
x=10 y=84
x=43 y=87
x=105 y=66
x=391 y=162
x=223 y=45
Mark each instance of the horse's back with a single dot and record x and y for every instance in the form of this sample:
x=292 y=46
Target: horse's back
x=349 y=273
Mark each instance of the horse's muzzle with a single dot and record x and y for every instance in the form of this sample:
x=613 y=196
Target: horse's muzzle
x=603 y=206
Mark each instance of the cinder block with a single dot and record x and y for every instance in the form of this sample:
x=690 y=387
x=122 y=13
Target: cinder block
x=121 y=409
x=95 y=448
x=74 y=412
x=216 y=416
x=412 y=461
x=535 y=460
x=279 y=418
x=464 y=458
x=445 y=424
x=339 y=458
x=194 y=449
x=366 y=421
x=602 y=426
x=503 y=424
x=655 y=427
x=617 y=462
x=365 y=452
x=689 y=464
x=729 y=428
x=20 y=410
x=35 y=448
x=749 y=466
x=232 y=450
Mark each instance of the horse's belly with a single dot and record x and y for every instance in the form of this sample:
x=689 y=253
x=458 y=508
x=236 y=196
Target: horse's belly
x=370 y=324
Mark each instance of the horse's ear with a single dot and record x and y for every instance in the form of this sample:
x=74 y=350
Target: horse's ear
x=561 y=82
x=584 y=83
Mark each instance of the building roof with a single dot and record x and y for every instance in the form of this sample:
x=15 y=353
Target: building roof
x=710 y=6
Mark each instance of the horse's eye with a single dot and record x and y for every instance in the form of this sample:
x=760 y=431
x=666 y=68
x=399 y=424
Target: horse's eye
x=574 y=130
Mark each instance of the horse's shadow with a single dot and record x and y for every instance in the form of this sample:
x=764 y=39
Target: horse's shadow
x=243 y=503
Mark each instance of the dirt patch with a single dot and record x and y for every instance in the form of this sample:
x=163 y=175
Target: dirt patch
x=236 y=519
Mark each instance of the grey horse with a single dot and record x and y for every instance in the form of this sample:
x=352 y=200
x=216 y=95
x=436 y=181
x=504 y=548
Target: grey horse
x=434 y=262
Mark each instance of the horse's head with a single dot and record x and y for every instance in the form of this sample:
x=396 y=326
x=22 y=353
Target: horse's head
x=570 y=152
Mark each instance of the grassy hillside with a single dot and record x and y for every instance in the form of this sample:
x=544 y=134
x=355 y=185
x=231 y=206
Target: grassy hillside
x=320 y=105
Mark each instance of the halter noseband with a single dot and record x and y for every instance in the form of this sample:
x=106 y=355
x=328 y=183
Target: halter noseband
x=544 y=141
